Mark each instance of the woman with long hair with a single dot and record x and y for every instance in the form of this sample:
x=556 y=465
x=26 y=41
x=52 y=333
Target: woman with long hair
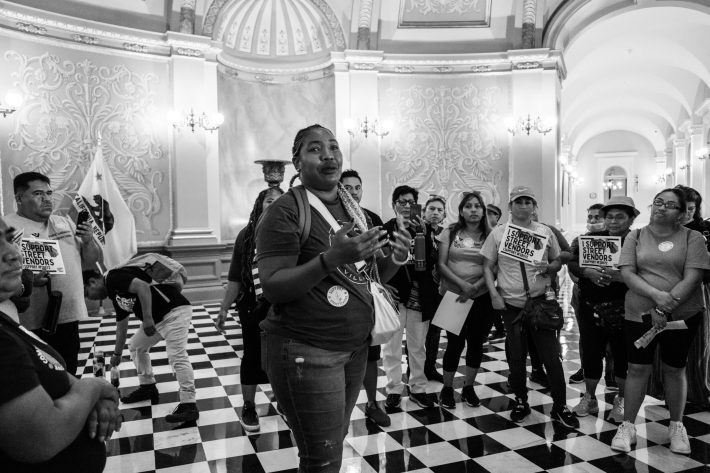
x=662 y=264
x=317 y=332
x=461 y=269
x=250 y=308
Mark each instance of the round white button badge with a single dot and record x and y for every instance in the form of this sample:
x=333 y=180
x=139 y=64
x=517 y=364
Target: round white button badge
x=338 y=296
x=665 y=246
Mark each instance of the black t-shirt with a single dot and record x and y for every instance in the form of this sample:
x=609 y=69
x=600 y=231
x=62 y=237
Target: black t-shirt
x=125 y=302
x=337 y=313
x=590 y=292
x=25 y=363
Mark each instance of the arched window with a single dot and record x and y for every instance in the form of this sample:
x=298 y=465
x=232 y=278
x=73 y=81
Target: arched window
x=615 y=181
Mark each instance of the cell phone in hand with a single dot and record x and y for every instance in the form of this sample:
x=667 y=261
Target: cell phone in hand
x=415 y=210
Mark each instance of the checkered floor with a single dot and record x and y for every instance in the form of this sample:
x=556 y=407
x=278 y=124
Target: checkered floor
x=464 y=439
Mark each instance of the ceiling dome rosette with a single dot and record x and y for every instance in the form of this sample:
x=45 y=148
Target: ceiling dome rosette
x=279 y=34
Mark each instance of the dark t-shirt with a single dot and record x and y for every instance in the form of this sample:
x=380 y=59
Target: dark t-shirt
x=125 y=302
x=337 y=313
x=590 y=292
x=25 y=363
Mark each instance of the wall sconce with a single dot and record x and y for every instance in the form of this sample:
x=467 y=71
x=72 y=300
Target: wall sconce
x=527 y=124
x=13 y=100
x=191 y=121
x=682 y=165
x=703 y=153
x=367 y=127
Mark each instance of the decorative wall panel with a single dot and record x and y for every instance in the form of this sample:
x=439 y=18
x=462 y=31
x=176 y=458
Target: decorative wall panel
x=264 y=119
x=70 y=99
x=448 y=136
x=444 y=13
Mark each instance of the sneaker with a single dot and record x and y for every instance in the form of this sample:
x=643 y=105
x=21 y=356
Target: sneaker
x=446 y=398
x=625 y=437
x=468 y=395
x=144 y=392
x=679 y=438
x=587 y=405
x=249 y=418
x=565 y=417
x=577 y=377
x=520 y=411
x=496 y=335
x=610 y=382
x=433 y=375
x=393 y=401
x=617 y=412
x=184 y=412
x=539 y=376
x=421 y=400
x=374 y=412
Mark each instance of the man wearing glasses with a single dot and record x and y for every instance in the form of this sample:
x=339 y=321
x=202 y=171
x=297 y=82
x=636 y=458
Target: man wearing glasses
x=416 y=292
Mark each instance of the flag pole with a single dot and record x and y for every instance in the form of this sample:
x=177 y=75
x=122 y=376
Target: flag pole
x=98 y=144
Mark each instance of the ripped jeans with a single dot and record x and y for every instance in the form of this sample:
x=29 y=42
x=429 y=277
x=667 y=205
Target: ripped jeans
x=316 y=389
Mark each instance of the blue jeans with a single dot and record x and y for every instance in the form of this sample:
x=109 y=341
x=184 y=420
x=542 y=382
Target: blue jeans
x=316 y=389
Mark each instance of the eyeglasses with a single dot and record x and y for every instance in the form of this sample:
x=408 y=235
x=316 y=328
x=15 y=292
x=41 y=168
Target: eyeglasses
x=406 y=203
x=670 y=205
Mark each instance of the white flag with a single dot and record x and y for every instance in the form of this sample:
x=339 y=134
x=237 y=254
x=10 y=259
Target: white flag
x=100 y=204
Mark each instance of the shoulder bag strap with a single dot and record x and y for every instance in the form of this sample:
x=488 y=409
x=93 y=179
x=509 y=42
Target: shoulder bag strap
x=525 y=279
x=304 y=212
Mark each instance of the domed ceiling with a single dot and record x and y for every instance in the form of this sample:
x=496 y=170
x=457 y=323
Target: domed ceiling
x=266 y=31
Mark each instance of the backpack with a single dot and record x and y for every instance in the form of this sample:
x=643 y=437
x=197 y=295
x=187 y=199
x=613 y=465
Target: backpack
x=162 y=269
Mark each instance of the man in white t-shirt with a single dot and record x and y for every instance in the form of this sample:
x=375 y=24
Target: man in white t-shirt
x=34 y=219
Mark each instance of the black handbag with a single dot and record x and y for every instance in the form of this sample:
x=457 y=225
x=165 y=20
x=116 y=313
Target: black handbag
x=610 y=313
x=51 y=314
x=539 y=313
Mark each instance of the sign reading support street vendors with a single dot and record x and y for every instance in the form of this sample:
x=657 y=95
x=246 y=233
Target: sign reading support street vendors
x=596 y=251
x=42 y=255
x=522 y=244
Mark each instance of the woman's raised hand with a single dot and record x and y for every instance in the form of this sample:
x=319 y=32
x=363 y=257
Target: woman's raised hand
x=350 y=247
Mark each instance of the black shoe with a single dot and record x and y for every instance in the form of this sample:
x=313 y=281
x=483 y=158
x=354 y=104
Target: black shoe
x=446 y=398
x=468 y=395
x=184 y=412
x=393 y=401
x=374 y=412
x=577 y=377
x=249 y=418
x=564 y=417
x=520 y=411
x=540 y=377
x=496 y=335
x=421 y=400
x=145 y=391
x=433 y=375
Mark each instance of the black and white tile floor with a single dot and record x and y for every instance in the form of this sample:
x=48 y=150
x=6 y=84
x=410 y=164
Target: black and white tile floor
x=464 y=439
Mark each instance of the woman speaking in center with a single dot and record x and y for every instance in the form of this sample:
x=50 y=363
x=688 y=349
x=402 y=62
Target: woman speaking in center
x=317 y=333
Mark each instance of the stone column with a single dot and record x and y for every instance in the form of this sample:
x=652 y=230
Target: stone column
x=529 y=18
x=363 y=24
x=697 y=166
x=680 y=157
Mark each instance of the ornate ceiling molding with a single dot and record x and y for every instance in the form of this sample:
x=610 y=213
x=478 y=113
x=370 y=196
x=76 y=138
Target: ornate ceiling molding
x=233 y=68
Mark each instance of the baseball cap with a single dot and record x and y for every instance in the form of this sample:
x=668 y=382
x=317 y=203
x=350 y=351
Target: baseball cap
x=492 y=208
x=522 y=191
x=620 y=201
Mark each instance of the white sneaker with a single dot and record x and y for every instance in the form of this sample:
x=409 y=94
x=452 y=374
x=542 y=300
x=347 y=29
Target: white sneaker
x=679 y=438
x=617 y=413
x=625 y=437
x=587 y=405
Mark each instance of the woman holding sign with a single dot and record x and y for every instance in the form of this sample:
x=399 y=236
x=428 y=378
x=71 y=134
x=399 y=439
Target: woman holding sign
x=663 y=265
x=526 y=255
x=601 y=302
x=461 y=269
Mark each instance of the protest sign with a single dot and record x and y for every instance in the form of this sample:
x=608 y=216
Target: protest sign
x=522 y=244
x=596 y=251
x=42 y=255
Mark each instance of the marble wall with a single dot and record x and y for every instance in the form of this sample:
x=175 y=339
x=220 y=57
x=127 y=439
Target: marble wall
x=262 y=121
x=447 y=136
x=73 y=94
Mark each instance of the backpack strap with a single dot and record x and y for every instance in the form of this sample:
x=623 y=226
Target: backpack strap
x=304 y=212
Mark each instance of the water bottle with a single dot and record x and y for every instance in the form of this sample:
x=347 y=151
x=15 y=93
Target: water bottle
x=99 y=364
x=115 y=376
x=550 y=293
x=419 y=252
